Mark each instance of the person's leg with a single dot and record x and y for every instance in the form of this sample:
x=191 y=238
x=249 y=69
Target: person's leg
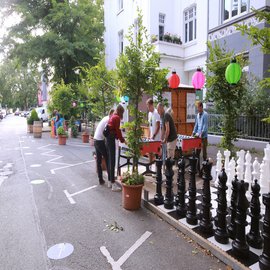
x=103 y=150
x=98 y=147
x=111 y=156
x=171 y=149
x=204 y=146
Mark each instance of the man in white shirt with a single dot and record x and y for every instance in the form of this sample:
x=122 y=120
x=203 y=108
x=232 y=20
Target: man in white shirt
x=100 y=146
x=154 y=125
x=154 y=121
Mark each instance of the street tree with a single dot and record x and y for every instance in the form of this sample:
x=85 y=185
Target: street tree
x=60 y=34
x=260 y=36
x=62 y=96
x=228 y=99
x=138 y=74
x=99 y=84
x=19 y=84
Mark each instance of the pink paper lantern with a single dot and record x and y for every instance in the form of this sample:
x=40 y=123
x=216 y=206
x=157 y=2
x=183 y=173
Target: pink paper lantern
x=198 y=79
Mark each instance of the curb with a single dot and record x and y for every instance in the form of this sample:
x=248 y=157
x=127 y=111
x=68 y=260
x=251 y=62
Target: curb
x=216 y=251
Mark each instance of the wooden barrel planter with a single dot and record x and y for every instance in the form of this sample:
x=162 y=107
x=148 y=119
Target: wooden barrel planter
x=131 y=196
x=30 y=128
x=37 y=129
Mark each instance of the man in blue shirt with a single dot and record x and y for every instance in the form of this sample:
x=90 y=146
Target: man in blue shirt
x=201 y=129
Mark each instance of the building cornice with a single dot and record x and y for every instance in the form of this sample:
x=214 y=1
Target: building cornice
x=229 y=27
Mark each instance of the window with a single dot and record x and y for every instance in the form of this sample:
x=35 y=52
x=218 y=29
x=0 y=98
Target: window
x=121 y=41
x=161 y=20
x=120 y=4
x=232 y=8
x=190 y=24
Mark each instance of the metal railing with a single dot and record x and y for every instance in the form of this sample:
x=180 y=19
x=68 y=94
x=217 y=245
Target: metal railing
x=248 y=127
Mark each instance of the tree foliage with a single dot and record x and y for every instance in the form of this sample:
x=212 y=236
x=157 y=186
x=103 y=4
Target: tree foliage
x=260 y=36
x=227 y=98
x=19 y=84
x=61 y=34
x=138 y=74
x=99 y=84
x=61 y=99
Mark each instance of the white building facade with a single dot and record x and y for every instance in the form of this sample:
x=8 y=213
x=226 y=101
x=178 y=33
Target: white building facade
x=224 y=15
x=166 y=21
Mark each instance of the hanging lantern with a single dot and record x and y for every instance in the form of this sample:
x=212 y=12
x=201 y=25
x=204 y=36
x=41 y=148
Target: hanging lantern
x=233 y=72
x=126 y=98
x=81 y=105
x=74 y=104
x=174 y=80
x=198 y=79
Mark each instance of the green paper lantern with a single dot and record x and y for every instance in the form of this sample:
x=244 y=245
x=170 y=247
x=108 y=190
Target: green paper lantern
x=81 y=105
x=233 y=72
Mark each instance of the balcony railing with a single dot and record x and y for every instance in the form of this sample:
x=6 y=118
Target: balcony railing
x=247 y=127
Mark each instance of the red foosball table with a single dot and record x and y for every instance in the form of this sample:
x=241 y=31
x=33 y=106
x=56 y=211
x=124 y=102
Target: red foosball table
x=188 y=143
x=148 y=147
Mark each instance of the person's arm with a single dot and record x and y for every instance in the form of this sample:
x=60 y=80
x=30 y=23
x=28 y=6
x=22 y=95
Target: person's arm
x=116 y=123
x=204 y=125
x=167 y=132
x=195 y=130
x=157 y=129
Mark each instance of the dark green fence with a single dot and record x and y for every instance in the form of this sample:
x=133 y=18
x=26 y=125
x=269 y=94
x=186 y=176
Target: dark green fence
x=247 y=127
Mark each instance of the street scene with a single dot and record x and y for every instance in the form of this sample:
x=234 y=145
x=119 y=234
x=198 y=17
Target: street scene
x=50 y=197
x=135 y=134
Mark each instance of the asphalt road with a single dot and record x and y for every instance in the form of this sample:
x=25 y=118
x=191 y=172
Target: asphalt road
x=65 y=208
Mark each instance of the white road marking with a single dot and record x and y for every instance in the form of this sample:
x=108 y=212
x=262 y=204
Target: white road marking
x=116 y=265
x=70 y=165
x=69 y=196
x=35 y=165
x=56 y=157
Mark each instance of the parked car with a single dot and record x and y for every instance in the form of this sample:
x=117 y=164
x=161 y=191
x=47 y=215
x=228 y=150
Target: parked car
x=4 y=113
x=42 y=113
x=17 y=112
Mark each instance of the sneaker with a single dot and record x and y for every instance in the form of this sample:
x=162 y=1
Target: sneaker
x=101 y=182
x=109 y=184
x=115 y=187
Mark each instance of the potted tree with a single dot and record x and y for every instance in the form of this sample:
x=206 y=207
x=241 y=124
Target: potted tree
x=31 y=119
x=73 y=127
x=62 y=135
x=138 y=74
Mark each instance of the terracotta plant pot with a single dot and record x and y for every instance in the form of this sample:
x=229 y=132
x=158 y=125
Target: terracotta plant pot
x=85 y=138
x=131 y=196
x=62 y=139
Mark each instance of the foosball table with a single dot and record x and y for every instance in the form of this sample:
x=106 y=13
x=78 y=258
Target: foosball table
x=187 y=143
x=148 y=147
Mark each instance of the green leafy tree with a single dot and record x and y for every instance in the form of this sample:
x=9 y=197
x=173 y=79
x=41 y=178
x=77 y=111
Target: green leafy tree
x=61 y=99
x=138 y=74
x=228 y=99
x=19 y=84
x=60 y=34
x=260 y=36
x=99 y=82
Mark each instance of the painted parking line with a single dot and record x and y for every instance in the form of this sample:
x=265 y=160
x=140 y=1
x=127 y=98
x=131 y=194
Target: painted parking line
x=69 y=196
x=116 y=265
